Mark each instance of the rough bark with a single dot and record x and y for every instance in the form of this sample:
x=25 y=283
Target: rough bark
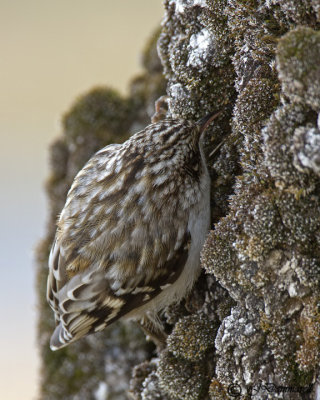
x=251 y=326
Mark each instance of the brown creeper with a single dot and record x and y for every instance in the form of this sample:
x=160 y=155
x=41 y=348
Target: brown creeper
x=130 y=234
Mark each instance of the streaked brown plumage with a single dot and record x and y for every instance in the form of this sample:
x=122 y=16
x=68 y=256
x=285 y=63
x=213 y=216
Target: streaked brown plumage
x=130 y=234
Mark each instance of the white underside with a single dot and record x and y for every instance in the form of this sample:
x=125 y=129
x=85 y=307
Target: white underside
x=198 y=226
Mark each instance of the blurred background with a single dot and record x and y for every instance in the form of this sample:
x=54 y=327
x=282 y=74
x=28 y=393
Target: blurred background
x=51 y=52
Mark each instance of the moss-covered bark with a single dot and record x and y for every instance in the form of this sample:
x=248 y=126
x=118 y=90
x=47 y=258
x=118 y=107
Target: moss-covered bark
x=260 y=296
x=251 y=326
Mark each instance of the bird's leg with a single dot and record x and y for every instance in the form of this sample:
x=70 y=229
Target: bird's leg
x=154 y=331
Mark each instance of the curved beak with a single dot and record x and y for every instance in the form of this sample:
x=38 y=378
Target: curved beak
x=204 y=122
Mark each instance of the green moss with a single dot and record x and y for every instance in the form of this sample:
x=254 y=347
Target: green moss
x=301 y=218
x=298 y=12
x=192 y=337
x=99 y=113
x=150 y=58
x=217 y=391
x=198 y=83
x=264 y=249
x=146 y=88
x=58 y=159
x=308 y=355
x=181 y=379
x=298 y=59
x=218 y=252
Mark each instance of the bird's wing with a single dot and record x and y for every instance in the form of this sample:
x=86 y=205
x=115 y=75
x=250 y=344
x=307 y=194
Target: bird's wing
x=87 y=303
x=60 y=267
x=116 y=247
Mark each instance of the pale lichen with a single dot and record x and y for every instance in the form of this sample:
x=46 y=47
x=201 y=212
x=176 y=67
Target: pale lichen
x=306 y=149
x=253 y=320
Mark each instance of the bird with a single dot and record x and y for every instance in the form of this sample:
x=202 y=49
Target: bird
x=129 y=237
